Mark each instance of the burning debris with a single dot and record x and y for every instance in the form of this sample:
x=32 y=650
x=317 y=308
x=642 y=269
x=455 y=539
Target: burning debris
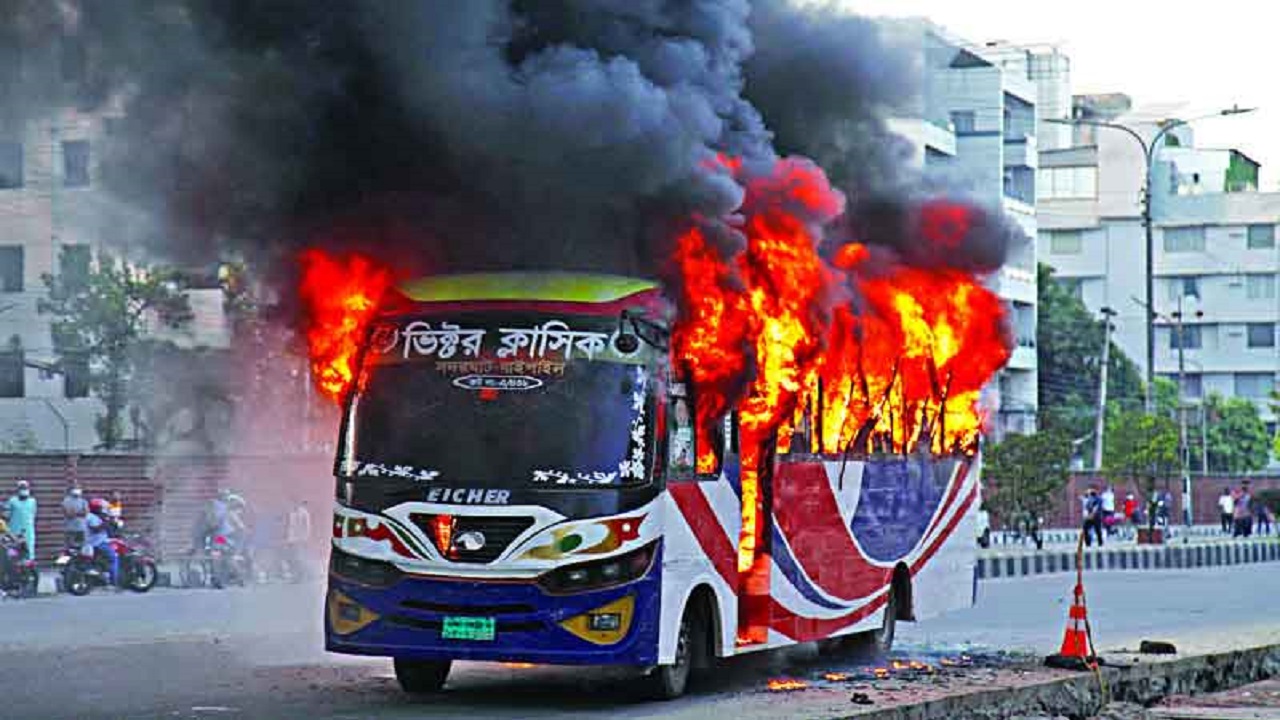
x=786 y=685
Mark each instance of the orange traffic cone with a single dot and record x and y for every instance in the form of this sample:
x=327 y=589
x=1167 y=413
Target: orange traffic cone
x=1075 y=653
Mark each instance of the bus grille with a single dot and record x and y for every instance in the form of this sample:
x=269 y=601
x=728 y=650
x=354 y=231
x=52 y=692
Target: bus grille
x=499 y=532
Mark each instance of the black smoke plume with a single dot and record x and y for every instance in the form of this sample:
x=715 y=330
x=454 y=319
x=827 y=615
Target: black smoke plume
x=484 y=134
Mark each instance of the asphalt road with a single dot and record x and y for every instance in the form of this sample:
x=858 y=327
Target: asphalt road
x=255 y=653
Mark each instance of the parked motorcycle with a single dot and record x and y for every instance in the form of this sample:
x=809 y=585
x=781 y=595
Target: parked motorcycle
x=19 y=577
x=83 y=569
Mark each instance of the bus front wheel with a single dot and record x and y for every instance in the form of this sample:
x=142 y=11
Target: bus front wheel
x=421 y=677
x=667 y=682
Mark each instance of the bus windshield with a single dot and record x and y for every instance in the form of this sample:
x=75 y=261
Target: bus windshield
x=500 y=400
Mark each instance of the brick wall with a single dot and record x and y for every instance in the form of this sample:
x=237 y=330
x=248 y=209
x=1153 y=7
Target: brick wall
x=1205 y=490
x=163 y=495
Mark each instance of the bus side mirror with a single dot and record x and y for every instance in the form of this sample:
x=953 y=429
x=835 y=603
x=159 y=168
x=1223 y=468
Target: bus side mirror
x=626 y=343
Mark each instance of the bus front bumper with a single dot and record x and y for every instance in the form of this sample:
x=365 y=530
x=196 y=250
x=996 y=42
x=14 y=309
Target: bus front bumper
x=408 y=619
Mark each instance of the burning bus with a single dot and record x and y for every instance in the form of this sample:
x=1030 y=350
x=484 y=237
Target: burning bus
x=548 y=468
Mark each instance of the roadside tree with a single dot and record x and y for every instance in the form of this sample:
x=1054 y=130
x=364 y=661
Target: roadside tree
x=1069 y=351
x=1140 y=448
x=101 y=316
x=1026 y=473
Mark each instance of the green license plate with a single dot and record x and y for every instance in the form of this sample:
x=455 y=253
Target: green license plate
x=468 y=628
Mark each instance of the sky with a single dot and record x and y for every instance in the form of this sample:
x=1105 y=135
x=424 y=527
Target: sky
x=1204 y=55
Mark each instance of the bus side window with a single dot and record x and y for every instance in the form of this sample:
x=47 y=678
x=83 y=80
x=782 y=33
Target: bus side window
x=681 y=452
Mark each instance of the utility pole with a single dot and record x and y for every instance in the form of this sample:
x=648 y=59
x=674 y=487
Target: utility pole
x=1100 y=422
x=1184 y=448
x=1204 y=438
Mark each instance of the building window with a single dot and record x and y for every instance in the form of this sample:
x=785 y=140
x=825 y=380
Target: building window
x=73 y=266
x=10 y=268
x=1262 y=236
x=1190 y=334
x=1255 y=385
x=1020 y=184
x=1261 y=335
x=12 y=369
x=1182 y=287
x=1066 y=242
x=1184 y=239
x=75 y=163
x=10 y=165
x=1192 y=386
x=963 y=121
x=1068 y=183
x=75 y=377
x=1260 y=287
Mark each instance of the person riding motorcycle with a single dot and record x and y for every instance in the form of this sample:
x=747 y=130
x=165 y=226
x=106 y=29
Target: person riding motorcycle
x=99 y=536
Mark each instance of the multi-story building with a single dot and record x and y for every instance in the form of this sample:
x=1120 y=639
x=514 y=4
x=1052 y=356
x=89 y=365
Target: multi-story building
x=56 y=218
x=1215 y=255
x=975 y=131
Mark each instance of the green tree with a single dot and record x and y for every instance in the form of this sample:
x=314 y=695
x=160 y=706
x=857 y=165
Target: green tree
x=1069 y=350
x=1026 y=472
x=101 y=317
x=1236 y=435
x=1141 y=448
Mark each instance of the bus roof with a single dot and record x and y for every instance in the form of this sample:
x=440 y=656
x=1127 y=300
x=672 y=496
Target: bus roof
x=556 y=287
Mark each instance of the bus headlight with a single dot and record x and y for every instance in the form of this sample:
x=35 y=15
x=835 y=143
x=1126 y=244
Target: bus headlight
x=363 y=571
x=601 y=573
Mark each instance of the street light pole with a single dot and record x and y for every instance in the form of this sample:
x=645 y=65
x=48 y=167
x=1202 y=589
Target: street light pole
x=1100 y=422
x=1149 y=151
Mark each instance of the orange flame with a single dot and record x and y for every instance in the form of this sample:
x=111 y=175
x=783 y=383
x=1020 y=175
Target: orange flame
x=836 y=676
x=856 y=355
x=786 y=685
x=880 y=673
x=340 y=296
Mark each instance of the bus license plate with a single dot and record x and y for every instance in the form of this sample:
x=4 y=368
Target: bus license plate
x=468 y=628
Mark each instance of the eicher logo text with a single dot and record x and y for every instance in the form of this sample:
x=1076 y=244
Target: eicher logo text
x=468 y=496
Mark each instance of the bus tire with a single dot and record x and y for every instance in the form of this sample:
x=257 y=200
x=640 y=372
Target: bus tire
x=421 y=677
x=881 y=641
x=872 y=644
x=668 y=682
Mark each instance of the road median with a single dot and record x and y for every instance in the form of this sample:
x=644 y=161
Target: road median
x=1001 y=564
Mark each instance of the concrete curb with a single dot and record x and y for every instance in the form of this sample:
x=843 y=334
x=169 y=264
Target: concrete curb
x=1140 y=557
x=1079 y=695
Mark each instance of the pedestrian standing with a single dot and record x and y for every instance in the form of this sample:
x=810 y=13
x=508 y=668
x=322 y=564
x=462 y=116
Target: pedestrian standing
x=75 y=513
x=1109 y=509
x=1243 y=512
x=297 y=537
x=1261 y=518
x=115 y=507
x=1226 y=509
x=21 y=508
x=1092 y=517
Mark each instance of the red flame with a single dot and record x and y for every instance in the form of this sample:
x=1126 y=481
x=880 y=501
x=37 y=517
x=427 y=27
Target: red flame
x=863 y=356
x=340 y=296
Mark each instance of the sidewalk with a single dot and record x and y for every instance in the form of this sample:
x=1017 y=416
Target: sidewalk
x=1015 y=561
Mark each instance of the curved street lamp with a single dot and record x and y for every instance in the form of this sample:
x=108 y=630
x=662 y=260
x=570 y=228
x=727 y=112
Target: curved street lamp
x=1149 y=150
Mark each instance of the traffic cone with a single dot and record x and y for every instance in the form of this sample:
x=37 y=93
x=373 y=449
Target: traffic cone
x=1075 y=654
